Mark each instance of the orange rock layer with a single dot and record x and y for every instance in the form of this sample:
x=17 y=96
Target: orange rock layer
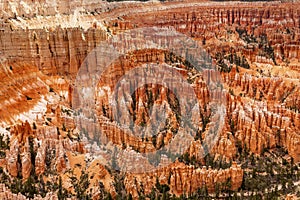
x=184 y=179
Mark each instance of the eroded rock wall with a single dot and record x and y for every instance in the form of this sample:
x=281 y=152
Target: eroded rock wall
x=184 y=179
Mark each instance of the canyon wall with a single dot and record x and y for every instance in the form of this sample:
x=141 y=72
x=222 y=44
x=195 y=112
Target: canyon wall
x=63 y=50
x=184 y=179
x=54 y=52
x=278 y=22
x=269 y=122
x=263 y=33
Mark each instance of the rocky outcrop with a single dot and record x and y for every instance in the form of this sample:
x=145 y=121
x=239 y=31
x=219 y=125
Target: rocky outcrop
x=12 y=158
x=5 y=193
x=40 y=159
x=254 y=27
x=18 y=156
x=26 y=161
x=291 y=197
x=264 y=123
x=267 y=121
x=245 y=23
x=184 y=179
x=55 y=52
x=60 y=157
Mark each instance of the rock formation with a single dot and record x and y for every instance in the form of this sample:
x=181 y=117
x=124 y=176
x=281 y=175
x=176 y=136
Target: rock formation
x=255 y=46
x=5 y=193
x=184 y=179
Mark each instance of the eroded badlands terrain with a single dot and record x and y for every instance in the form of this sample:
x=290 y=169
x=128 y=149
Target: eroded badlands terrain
x=46 y=153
